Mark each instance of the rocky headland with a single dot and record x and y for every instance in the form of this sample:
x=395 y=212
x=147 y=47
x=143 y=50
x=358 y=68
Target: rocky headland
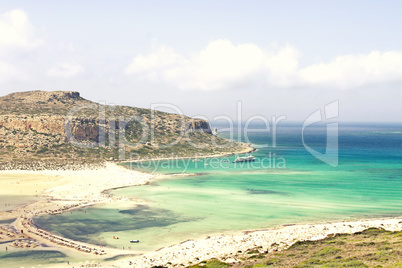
x=61 y=128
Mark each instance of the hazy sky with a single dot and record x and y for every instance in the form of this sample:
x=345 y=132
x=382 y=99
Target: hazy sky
x=277 y=57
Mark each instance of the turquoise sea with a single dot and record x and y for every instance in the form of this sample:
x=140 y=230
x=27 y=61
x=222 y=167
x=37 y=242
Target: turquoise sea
x=285 y=185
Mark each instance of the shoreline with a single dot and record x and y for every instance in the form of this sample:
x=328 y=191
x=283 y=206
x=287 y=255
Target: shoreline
x=247 y=150
x=227 y=247
x=223 y=247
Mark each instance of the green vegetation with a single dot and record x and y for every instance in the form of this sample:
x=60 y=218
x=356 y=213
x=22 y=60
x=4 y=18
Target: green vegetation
x=328 y=251
x=211 y=264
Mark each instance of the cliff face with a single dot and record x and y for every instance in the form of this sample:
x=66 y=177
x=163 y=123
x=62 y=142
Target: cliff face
x=81 y=129
x=199 y=125
x=45 y=112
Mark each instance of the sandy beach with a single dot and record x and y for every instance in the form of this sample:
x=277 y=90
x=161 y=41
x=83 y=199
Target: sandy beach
x=62 y=190
x=66 y=190
x=226 y=248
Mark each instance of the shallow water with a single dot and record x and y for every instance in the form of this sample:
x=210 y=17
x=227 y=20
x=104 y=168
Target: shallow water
x=33 y=257
x=227 y=196
x=43 y=257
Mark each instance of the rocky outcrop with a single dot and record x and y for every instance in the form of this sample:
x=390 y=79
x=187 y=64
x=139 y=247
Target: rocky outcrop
x=198 y=125
x=80 y=128
x=85 y=132
x=43 y=96
x=83 y=129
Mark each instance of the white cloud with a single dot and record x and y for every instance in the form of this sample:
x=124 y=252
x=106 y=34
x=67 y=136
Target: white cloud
x=281 y=67
x=219 y=65
x=153 y=66
x=66 y=70
x=355 y=70
x=17 y=36
x=223 y=65
x=17 y=31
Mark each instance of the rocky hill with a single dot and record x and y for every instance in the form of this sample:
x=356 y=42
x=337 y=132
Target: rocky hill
x=60 y=128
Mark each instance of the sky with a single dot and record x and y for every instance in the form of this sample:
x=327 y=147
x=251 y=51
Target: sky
x=205 y=57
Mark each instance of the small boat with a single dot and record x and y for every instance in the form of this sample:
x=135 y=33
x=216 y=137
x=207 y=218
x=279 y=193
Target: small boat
x=249 y=158
x=134 y=241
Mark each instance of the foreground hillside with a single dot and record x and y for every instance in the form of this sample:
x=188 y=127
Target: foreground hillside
x=370 y=248
x=42 y=129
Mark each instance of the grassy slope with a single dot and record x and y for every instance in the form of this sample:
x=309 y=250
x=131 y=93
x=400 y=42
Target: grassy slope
x=370 y=248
